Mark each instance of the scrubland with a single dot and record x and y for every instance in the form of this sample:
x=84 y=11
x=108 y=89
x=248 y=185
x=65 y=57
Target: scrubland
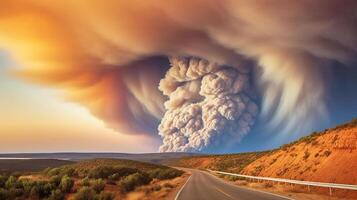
x=98 y=179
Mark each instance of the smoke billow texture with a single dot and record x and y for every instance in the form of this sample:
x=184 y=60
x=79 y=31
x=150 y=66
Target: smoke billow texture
x=112 y=58
x=207 y=104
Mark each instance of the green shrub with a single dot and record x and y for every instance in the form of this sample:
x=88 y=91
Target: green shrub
x=27 y=185
x=98 y=185
x=85 y=193
x=53 y=172
x=57 y=195
x=11 y=182
x=68 y=171
x=3 y=180
x=130 y=182
x=55 y=180
x=66 y=184
x=34 y=194
x=104 y=172
x=162 y=174
x=106 y=196
x=114 y=177
x=44 y=188
x=85 y=182
x=63 y=171
x=4 y=195
x=101 y=172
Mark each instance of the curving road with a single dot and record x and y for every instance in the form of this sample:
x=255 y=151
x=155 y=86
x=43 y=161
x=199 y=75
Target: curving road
x=204 y=186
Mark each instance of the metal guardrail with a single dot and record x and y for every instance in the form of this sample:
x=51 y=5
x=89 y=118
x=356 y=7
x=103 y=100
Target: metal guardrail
x=307 y=183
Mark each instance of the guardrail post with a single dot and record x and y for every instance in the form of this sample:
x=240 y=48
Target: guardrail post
x=308 y=188
x=330 y=191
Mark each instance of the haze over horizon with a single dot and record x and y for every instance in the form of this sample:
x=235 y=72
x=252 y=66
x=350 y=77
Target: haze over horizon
x=224 y=79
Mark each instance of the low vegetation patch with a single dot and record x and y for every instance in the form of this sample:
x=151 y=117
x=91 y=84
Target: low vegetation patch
x=84 y=181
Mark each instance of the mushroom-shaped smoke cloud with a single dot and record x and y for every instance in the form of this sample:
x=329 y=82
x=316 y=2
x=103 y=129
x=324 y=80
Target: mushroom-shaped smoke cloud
x=208 y=103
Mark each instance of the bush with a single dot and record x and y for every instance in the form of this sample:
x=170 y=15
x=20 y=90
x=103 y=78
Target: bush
x=3 y=180
x=85 y=182
x=101 y=172
x=130 y=182
x=67 y=171
x=85 y=193
x=44 y=188
x=55 y=180
x=4 y=195
x=34 y=194
x=98 y=185
x=114 y=177
x=15 y=192
x=27 y=185
x=57 y=195
x=104 y=172
x=162 y=174
x=64 y=171
x=11 y=182
x=53 y=172
x=66 y=184
x=106 y=196
x=327 y=153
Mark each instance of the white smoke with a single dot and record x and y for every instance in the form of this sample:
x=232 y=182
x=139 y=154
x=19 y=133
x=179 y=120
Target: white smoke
x=207 y=102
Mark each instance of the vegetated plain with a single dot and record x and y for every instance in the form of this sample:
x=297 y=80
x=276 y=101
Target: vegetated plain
x=27 y=165
x=98 y=179
x=326 y=156
x=73 y=156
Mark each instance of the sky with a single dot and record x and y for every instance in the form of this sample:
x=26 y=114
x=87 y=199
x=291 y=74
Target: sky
x=180 y=75
x=36 y=119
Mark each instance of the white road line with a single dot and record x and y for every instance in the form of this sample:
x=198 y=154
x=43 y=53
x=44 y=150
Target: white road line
x=278 y=195
x=179 y=192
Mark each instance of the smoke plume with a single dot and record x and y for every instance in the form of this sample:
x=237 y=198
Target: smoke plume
x=227 y=57
x=207 y=102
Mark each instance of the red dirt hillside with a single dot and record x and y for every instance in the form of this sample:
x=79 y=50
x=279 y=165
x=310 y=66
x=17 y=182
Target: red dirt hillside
x=328 y=156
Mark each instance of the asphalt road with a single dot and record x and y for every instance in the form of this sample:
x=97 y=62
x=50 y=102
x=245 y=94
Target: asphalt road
x=204 y=186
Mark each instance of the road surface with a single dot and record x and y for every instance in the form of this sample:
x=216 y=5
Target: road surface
x=204 y=186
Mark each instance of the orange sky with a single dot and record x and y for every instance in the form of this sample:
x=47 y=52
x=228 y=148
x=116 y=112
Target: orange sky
x=36 y=119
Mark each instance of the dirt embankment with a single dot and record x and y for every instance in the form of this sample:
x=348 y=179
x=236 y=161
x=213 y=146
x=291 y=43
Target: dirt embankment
x=330 y=156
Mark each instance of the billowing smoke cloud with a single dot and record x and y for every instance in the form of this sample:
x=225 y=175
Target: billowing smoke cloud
x=207 y=102
x=110 y=56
